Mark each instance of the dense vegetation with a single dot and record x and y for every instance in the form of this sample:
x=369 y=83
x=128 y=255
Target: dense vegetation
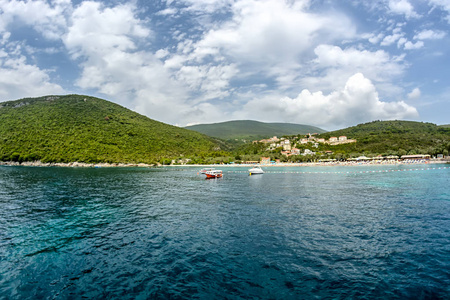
x=394 y=138
x=87 y=129
x=252 y=130
x=375 y=138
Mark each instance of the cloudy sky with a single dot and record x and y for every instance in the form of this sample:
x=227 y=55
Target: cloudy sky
x=328 y=63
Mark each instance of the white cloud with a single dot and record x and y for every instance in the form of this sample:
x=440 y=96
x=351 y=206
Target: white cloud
x=430 y=35
x=412 y=46
x=19 y=79
x=328 y=55
x=175 y=61
x=401 y=42
x=49 y=20
x=104 y=40
x=335 y=65
x=268 y=36
x=398 y=36
x=207 y=6
x=444 y=5
x=357 y=102
x=161 y=53
x=263 y=39
x=390 y=39
x=415 y=94
x=210 y=6
x=373 y=38
x=211 y=81
x=98 y=30
x=167 y=12
x=402 y=7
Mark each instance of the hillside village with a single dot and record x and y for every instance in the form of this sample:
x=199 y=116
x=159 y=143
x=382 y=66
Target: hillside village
x=291 y=146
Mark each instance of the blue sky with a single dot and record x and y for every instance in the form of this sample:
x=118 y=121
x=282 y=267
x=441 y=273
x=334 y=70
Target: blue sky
x=331 y=64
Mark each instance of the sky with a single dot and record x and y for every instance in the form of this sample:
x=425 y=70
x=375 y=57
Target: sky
x=327 y=63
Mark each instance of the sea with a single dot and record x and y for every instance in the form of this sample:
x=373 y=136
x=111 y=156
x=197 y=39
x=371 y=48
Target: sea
x=341 y=232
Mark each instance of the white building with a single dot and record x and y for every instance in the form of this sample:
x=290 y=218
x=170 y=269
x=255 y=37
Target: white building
x=308 y=152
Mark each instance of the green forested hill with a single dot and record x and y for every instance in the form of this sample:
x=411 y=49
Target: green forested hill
x=87 y=129
x=372 y=139
x=395 y=137
x=252 y=130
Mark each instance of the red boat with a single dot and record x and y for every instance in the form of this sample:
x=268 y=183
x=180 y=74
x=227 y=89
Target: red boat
x=213 y=174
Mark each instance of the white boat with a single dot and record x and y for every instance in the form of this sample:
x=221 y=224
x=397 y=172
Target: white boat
x=204 y=170
x=255 y=170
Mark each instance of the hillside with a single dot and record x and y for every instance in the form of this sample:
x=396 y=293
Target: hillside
x=87 y=129
x=252 y=130
x=394 y=137
x=372 y=139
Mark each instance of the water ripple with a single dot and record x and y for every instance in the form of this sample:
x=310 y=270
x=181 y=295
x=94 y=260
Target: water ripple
x=168 y=233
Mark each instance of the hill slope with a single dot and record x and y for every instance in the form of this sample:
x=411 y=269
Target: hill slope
x=395 y=137
x=87 y=129
x=252 y=130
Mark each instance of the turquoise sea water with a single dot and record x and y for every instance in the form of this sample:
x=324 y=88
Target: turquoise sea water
x=167 y=233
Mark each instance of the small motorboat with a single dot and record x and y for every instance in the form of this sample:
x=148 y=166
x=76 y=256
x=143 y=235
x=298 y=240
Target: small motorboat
x=213 y=174
x=256 y=170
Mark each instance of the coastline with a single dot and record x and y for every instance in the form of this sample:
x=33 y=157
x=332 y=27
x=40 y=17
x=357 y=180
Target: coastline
x=71 y=164
x=142 y=165
x=329 y=164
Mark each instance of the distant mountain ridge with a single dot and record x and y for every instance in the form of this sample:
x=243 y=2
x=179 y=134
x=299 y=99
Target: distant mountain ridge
x=252 y=130
x=77 y=128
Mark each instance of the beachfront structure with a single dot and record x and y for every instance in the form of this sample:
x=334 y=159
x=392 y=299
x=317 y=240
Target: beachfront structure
x=265 y=160
x=416 y=156
x=250 y=162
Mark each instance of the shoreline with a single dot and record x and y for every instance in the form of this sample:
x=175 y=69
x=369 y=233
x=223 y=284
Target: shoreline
x=142 y=165
x=327 y=164
x=71 y=164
